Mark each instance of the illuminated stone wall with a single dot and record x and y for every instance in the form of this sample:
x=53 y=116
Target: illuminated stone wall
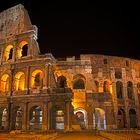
x=91 y=92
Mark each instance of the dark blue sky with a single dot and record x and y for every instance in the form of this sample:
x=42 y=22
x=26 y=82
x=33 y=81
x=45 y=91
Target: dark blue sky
x=81 y=27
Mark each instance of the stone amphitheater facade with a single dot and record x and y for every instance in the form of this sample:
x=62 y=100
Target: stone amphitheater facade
x=40 y=92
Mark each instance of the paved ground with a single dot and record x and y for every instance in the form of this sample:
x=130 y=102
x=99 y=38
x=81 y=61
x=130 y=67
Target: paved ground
x=79 y=136
x=66 y=136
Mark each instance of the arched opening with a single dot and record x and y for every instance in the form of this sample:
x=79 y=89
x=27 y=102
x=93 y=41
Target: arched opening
x=119 y=89
x=99 y=119
x=130 y=90
x=133 y=118
x=121 y=119
x=4 y=83
x=8 y=53
x=118 y=73
x=107 y=86
x=61 y=82
x=19 y=81
x=3 y=118
x=59 y=119
x=79 y=84
x=37 y=79
x=79 y=81
x=18 y=118
x=22 y=49
x=35 y=118
x=81 y=118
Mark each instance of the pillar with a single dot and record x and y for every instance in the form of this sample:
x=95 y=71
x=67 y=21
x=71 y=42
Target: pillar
x=115 y=103
x=48 y=115
x=137 y=105
x=27 y=80
x=44 y=125
x=25 y=117
x=90 y=118
x=45 y=78
x=11 y=117
x=68 y=116
x=127 y=124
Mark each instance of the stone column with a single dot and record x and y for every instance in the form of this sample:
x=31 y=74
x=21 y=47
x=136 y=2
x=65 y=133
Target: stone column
x=30 y=44
x=11 y=117
x=48 y=114
x=48 y=76
x=44 y=125
x=11 y=83
x=45 y=82
x=137 y=105
x=68 y=116
x=127 y=124
x=90 y=117
x=25 y=117
x=115 y=102
x=27 y=80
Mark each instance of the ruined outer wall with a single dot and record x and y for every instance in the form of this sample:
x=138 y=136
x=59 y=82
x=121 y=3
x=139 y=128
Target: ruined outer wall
x=101 y=68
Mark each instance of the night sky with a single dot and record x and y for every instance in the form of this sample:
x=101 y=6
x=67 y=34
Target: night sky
x=81 y=27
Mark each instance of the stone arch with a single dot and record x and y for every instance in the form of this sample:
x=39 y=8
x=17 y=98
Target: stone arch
x=79 y=81
x=121 y=119
x=37 y=79
x=4 y=83
x=3 y=118
x=99 y=119
x=35 y=118
x=81 y=117
x=19 y=81
x=119 y=89
x=61 y=81
x=107 y=86
x=8 y=53
x=133 y=118
x=130 y=89
x=22 y=49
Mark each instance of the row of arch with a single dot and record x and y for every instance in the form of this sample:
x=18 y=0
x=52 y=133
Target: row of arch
x=19 y=81
x=99 y=118
x=121 y=118
x=78 y=83
x=36 y=118
x=119 y=90
x=21 y=50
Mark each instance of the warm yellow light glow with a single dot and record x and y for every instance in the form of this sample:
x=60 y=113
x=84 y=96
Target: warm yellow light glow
x=19 y=51
x=37 y=79
x=19 y=81
x=4 y=83
x=111 y=89
x=107 y=86
x=101 y=111
x=75 y=105
x=100 y=88
x=7 y=52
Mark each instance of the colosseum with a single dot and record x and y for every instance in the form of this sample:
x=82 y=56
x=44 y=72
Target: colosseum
x=40 y=92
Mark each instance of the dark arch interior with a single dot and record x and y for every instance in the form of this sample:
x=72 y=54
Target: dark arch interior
x=24 y=50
